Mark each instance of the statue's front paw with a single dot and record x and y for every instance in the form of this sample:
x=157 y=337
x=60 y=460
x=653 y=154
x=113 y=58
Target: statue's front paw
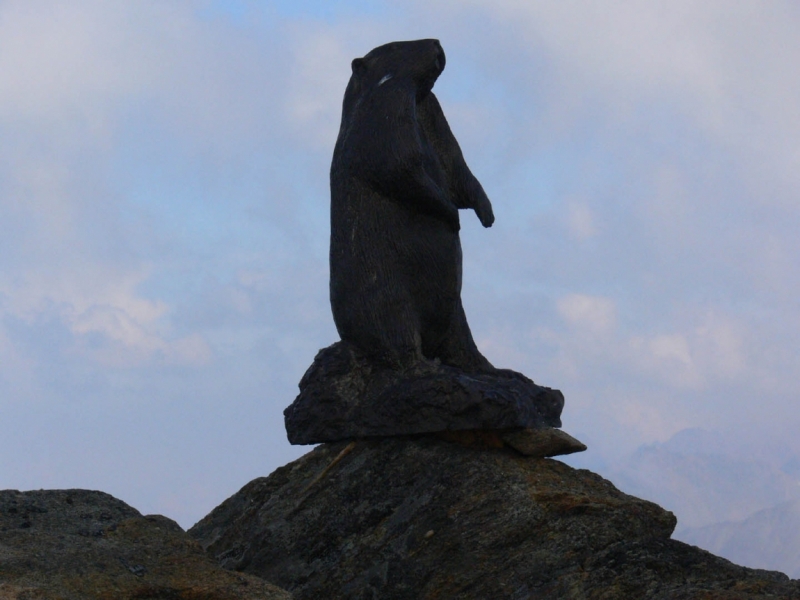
x=485 y=214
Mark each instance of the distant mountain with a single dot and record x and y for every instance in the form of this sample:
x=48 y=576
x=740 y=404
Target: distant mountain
x=706 y=477
x=768 y=539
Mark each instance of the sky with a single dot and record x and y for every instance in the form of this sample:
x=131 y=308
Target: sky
x=164 y=226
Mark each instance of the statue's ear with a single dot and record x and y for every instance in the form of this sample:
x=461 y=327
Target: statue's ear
x=359 y=66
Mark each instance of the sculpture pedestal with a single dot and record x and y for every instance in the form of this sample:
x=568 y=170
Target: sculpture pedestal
x=346 y=396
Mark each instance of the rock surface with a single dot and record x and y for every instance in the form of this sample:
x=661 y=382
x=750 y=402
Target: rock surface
x=542 y=443
x=424 y=518
x=345 y=396
x=79 y=545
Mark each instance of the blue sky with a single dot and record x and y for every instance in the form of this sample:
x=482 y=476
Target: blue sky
x=164 y=223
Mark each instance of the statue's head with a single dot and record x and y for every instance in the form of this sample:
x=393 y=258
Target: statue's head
x=418 y=63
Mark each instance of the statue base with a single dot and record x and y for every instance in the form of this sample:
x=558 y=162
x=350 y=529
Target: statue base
x=345 y=396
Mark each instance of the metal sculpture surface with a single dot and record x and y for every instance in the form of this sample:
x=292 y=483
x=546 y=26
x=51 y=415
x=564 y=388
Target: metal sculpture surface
x=398 y=179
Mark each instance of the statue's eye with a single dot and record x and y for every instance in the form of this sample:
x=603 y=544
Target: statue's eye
x=385 y=78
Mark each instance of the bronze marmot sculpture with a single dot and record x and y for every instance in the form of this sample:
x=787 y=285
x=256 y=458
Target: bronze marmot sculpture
x=398 y=179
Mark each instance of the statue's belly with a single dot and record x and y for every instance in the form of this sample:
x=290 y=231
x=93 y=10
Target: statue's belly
x=386 y=258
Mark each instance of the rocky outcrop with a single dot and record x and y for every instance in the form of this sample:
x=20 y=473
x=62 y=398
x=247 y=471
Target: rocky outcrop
x=81 y=545
x=425 y=518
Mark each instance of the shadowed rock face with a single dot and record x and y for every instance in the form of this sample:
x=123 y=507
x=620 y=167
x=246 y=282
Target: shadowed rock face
x=79 y=545
x=424 y=518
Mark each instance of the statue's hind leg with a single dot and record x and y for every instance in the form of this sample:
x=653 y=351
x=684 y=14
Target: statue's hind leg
x=458 y=349
x=389 y=330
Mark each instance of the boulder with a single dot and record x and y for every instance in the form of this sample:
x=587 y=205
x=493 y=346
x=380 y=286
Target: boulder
x=79 y=545
x=423 y=518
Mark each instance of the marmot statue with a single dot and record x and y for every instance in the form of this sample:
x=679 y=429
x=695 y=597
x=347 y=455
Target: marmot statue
x=398 y=179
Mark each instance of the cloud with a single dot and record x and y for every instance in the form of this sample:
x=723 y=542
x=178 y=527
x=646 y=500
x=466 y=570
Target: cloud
x=319 y=74
x=73 y=79
x=581 y=221
x=592 y=313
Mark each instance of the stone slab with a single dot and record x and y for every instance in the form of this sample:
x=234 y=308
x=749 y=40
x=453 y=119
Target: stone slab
x=543 y=443
x=346 y=396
